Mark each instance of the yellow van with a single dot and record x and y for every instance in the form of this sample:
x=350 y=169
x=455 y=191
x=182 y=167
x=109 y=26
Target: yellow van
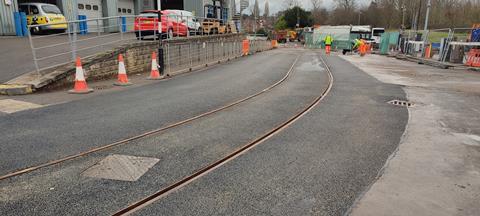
x=41 y=13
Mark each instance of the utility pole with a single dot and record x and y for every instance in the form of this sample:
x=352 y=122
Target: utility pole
x=425 y=27
x=298 y=17
x=403 y=16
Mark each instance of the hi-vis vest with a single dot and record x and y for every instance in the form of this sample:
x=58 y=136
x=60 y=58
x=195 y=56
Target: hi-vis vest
x=328 y=40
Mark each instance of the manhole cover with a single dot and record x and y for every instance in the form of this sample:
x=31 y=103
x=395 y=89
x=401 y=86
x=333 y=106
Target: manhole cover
x=402 y=103
x=121 y=167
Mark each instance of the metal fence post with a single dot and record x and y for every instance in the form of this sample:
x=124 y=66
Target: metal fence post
x=155 y=30
x=168 y=58
x=119 y=20
x=190 y=54
x=74 y=41
x=34 y=54
x=98 y=27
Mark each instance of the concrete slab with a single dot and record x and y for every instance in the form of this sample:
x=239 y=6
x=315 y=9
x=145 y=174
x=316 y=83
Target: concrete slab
x=121 y=167
x=435 y=170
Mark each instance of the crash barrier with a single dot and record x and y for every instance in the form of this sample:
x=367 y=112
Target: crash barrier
x=473 y=58
x=53 y=44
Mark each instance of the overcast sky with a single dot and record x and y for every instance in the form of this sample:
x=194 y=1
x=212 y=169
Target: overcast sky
x=277 y=5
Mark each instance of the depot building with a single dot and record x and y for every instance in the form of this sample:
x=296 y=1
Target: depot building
x=71 y=9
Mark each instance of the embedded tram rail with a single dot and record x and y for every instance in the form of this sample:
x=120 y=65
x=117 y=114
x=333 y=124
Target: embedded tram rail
x=149 y=133
x=238 y=152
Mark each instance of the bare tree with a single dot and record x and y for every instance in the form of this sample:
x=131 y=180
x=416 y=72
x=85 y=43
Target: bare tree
x=266 y=11
x=291 y=3
x=317 y=12
x=316 y=4
x=346 y=5
x=256 y=10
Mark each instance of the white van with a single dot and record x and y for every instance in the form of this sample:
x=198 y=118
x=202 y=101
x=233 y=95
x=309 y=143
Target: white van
x=187 y=17
x=377 y=34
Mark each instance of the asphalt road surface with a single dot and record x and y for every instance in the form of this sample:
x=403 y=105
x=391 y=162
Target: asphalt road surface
x=317 y=166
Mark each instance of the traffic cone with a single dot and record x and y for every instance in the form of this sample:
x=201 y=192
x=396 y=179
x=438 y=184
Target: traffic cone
x=80 y=86
x=155 y=74
x=122 y=73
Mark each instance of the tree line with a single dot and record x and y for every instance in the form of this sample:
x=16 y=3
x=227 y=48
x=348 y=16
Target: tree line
x=390 y=14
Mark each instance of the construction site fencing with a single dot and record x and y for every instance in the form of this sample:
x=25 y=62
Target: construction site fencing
x=445 y=45
x=87 y=37
x=188 y=55
x=181 y=56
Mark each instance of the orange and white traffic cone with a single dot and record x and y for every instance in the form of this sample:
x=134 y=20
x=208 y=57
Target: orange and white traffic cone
x=80 y=86
x=155 y=74
x=122 y=73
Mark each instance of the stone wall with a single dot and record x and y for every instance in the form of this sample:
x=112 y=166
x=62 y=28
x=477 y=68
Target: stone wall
x=105 y=65
x=137 y=57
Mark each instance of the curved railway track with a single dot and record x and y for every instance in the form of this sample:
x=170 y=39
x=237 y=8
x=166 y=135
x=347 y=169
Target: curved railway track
x=246 y=147
x=152 y=132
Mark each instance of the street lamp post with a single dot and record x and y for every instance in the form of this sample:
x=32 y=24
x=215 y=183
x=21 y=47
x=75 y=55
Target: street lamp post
x=429 y=4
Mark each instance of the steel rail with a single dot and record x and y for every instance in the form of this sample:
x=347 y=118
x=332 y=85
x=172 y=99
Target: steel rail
x=124 y=141
x=211 y=167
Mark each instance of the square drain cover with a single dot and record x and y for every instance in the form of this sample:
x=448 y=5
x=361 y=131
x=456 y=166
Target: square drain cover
x=121 y=167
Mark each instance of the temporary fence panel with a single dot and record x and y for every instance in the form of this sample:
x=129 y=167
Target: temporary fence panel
x=340 y=34
x=85 y=37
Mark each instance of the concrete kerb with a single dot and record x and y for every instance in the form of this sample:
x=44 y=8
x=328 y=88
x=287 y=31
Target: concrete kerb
x=15 y=89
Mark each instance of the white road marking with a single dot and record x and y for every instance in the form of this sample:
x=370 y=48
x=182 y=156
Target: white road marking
x=12 y=106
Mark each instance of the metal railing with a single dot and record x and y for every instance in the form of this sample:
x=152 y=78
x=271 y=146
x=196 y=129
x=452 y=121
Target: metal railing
x=198 y=53
x=87 y=37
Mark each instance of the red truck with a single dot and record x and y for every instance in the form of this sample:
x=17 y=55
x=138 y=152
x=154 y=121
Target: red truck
x=281 y=36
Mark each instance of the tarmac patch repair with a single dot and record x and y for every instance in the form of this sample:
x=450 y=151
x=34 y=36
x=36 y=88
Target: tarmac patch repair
x=12 y=106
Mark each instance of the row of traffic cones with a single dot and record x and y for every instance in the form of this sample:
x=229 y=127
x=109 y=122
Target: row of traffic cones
x=81 y=87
